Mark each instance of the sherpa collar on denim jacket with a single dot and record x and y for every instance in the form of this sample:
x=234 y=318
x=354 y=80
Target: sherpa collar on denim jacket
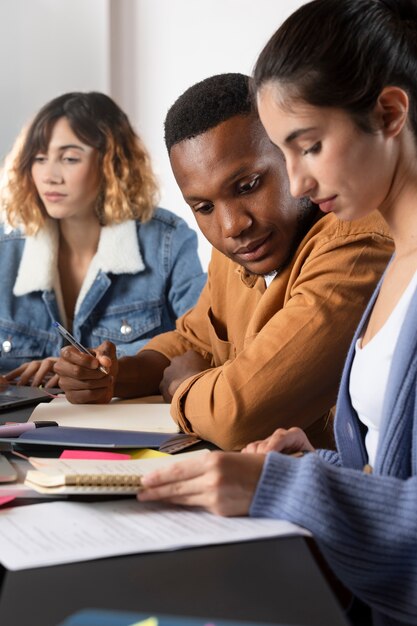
x=118 y=253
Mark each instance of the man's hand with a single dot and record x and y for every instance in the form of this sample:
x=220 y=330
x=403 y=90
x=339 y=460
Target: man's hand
x=181 y=368
x=221 y=482
x=80 y=378
x=291 y=441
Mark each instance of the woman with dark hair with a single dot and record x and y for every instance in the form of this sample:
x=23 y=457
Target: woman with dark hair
x=83 y=242
x=336 y=88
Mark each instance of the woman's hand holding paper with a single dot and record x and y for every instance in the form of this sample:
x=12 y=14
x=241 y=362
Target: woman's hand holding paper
x=221 y=482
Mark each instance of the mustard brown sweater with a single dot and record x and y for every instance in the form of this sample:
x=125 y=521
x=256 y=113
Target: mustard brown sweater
x=277 y=354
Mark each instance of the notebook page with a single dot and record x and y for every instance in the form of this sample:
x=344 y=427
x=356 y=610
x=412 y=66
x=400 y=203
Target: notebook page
x=140 y=414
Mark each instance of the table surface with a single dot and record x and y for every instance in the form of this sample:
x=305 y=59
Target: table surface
x=271 y=581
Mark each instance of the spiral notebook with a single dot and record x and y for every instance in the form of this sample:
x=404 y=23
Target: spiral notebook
x=91 y=477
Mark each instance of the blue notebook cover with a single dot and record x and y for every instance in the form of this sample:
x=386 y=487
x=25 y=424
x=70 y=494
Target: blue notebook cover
x=96 y=617
x=101 y=438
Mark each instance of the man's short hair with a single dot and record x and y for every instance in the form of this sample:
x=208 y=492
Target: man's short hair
x=205 y=105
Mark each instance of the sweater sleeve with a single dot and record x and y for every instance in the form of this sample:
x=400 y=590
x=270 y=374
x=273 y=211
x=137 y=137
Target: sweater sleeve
x=330 y=456
x=365 y=525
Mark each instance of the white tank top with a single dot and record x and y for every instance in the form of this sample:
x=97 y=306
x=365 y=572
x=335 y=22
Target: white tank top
x=370 y=369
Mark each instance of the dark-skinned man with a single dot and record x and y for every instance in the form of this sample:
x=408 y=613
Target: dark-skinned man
x=265 y=344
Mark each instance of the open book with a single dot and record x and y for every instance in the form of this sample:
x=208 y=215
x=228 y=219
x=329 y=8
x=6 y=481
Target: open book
x=141 y=414
x=91 y=477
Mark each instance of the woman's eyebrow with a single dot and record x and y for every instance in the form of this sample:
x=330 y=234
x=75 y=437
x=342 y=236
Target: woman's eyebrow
x=296 y=133
x=71 y=145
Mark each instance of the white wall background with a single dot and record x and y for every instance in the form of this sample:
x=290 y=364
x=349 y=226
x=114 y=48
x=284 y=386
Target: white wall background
x=144 y=53
x=48 y=47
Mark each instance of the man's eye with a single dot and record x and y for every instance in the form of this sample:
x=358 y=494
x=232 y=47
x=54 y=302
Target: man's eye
x=249 y=186
x=205 y=209
x=313 y=150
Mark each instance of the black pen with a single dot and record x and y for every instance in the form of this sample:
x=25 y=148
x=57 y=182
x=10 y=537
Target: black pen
x=72 y=340
x=11 y=429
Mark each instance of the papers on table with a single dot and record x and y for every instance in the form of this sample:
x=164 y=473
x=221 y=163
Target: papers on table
x=143 y=414
x=58 y=532
x=64 y=532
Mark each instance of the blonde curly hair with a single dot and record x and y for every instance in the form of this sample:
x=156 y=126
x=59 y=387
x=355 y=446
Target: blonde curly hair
x=128 y=188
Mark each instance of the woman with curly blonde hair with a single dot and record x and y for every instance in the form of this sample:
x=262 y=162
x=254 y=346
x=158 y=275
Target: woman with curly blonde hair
x=82 y=240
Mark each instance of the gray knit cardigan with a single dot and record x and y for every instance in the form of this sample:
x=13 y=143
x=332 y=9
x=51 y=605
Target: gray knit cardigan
x=365 y=524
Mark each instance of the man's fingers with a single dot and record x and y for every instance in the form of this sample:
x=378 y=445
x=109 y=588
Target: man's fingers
x=105 y=353
x=72 y=383
x=74 y=364
x=74 y=357
x=81 y=379
x=88 y=396
x=104 y=360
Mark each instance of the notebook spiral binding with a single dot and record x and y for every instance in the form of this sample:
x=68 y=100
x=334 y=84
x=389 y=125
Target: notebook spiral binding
x=104 y=480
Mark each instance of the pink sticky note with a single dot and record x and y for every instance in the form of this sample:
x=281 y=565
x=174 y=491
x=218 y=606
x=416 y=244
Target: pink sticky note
x=94 y=454
x=6 y=499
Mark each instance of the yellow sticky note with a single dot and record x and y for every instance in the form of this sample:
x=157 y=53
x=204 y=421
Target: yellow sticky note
x=146 y=453
x=151 y=621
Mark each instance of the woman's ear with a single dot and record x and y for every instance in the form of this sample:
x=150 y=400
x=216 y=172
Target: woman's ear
x=391 y=110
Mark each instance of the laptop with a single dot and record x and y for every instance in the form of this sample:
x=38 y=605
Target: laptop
x=12 y=396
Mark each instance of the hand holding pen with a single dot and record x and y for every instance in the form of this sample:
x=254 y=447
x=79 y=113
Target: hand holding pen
x=72 y=340
x=80 y=377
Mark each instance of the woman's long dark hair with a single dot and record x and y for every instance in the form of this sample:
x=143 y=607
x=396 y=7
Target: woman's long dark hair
x=342 y=53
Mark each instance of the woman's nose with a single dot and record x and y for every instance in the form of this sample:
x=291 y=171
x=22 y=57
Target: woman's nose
x=52 y=173
x=301 y=181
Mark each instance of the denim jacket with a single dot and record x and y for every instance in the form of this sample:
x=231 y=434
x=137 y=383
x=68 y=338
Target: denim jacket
x=141 y=279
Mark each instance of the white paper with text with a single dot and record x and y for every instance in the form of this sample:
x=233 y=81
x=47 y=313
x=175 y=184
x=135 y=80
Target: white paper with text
x=65 y=532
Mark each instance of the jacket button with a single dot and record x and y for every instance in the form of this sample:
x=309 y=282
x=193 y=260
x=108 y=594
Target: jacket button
x=125 y=328
x=6 y=346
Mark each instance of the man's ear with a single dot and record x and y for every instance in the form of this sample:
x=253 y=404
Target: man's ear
x=391 y=110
